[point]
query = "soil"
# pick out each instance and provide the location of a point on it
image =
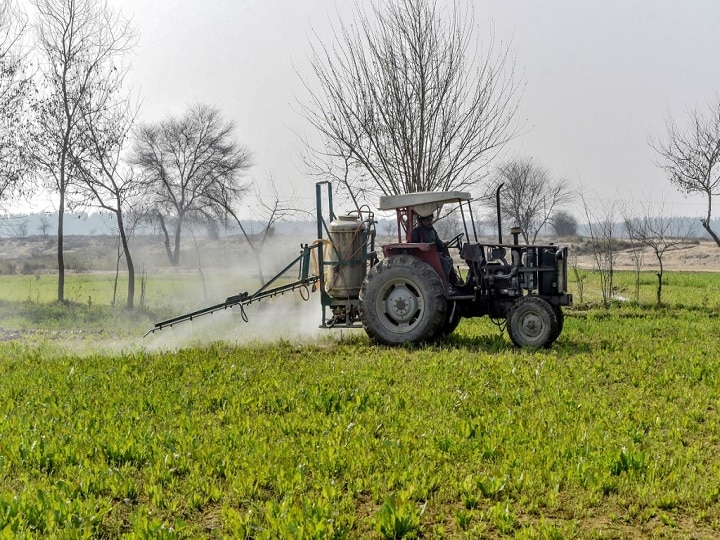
(700, 256)
(87, 254)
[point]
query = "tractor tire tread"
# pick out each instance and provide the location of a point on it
(423, 277)
(542, 311)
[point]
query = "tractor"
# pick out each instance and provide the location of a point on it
(405, 296)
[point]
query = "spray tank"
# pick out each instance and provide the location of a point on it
(346, 254)
(335, 264)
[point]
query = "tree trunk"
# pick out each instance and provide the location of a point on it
(660, 277)
(178, 230)
(167, 240)
(255, 251)
(128, 259)
(60, 237)
(117, 275)
(706, 226)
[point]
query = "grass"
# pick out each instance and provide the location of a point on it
(679, 288)
(162, 291)
(612, 433)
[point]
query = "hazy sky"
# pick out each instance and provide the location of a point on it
(599, 78)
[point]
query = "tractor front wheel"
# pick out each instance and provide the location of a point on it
(532, 322)
(403, 301)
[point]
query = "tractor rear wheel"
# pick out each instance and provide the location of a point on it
(532, 322)
(403, 301)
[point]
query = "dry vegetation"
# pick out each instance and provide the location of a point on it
(699, 256)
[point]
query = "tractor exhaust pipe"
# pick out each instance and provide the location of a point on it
(499, 218)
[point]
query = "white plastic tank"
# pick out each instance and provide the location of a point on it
(345, 257)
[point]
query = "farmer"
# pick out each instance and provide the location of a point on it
(425, 233)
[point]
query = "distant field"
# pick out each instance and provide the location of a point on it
(161, 290)
(190, 289)
(612, 433)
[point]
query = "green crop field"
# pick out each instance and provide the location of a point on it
(614, 432)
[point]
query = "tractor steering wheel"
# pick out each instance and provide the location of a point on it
(455, 242)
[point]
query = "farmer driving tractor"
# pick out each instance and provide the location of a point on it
(424, 232)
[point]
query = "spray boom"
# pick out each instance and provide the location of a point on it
(244, 298)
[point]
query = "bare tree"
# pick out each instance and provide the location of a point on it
(601, 222)
(16, 90)
(405, 97)
(338, 168)
(44, 226)
(691, 157)
(132, 217)
(271, 208)
(638, 259)
(104, 179)
(81, 42)
(660, 233)
(192, 168)
(529, 195)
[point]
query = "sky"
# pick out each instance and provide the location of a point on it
(599, 78)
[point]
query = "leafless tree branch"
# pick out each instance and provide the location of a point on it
(658, 232)
(601, 223)
(407, 100)
(690, 157)
(16, 95)
(529, 195)
(82, 44)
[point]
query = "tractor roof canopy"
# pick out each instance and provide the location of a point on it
(423, 203)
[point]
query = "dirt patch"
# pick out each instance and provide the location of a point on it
(86, 254)
(702, 256)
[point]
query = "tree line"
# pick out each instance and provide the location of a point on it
(403, 99)
(69, 126)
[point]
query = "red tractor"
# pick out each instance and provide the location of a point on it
(406, 296)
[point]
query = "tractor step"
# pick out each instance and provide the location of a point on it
(461, 296)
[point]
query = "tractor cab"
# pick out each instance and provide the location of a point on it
(410, 209)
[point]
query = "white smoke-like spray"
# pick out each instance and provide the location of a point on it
(294, 316)
(287, 317)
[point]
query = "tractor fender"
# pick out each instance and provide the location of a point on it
(424, 251)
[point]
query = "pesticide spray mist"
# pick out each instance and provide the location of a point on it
(283, 318)
(294, 316)
(218, 271)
